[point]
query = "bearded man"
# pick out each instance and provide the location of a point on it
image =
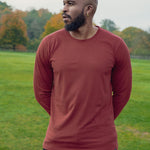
(82, 78)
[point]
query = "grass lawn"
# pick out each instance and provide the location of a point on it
(23, 122)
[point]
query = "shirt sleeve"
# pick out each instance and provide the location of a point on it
(43, 76)
(121, 79)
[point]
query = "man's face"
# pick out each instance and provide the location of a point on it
(73, 14)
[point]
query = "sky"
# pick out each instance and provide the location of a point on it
(124, 13)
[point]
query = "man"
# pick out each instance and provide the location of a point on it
(76, 71)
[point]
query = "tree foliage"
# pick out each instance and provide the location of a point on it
(54, 24)
(35, 21)
(16, 27)
(4, 9)
(137, 40)
(33, 44)
(13, 30)
(108, 25)
(4, 5)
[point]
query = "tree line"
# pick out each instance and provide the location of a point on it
(24, 30)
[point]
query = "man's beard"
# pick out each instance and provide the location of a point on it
(77, 23)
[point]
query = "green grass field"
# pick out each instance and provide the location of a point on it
(23, 122)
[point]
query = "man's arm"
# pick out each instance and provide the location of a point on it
(121, 79)
(43, 76)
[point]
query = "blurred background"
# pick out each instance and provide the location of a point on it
(32, 20)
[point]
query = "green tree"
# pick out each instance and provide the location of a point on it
(13, 30)
(33, 44)
(35, 21)
(137, 40)
(55, 23)
(4, 5)
(108, 25)
(4, 9)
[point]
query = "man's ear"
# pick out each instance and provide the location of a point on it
(89, 9)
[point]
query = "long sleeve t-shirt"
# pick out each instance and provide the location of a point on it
(83, 85)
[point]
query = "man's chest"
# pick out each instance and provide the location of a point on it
(84, 59)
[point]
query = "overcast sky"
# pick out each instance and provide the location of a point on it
(124, 13)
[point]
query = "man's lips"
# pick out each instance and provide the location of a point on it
(66, 16)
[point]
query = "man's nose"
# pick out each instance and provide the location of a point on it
(65, 8)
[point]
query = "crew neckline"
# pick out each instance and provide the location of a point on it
(81, 40)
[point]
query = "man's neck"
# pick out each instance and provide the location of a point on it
(84, 32)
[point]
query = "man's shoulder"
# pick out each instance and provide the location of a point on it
(57, 34)
(110, 36)
(114, 41)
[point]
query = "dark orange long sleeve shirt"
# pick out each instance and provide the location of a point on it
(83, 85)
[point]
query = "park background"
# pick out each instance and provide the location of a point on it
(23, 122)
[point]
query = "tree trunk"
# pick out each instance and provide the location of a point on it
(14, 47)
